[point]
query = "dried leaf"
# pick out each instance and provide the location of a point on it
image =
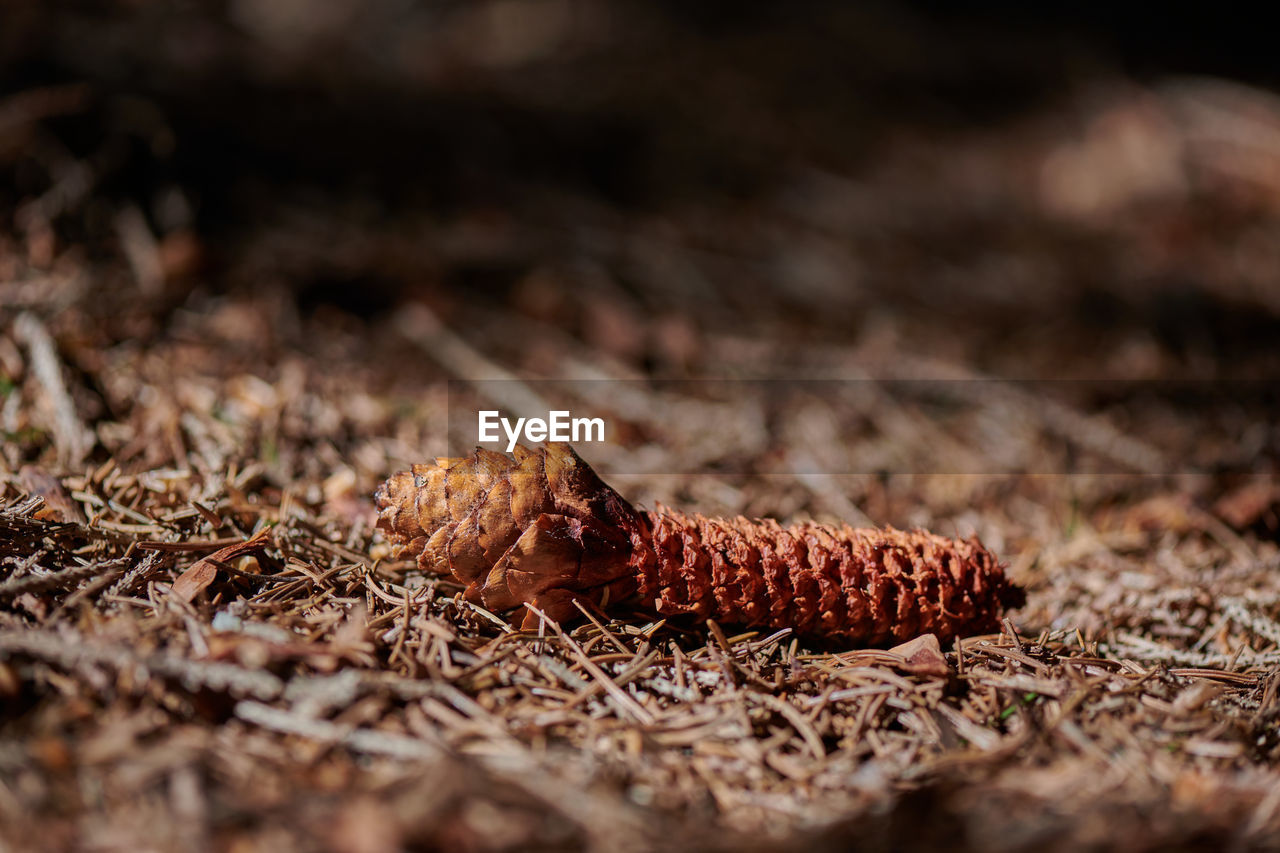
(37, 481)
(1245, 506)
(922, 656)
(203, 572)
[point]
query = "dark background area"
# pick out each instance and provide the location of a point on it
(302, 97)
(532, 121)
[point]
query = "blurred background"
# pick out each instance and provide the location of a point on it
(1032, 192)
(370, 199)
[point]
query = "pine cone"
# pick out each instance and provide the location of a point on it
(543, 529)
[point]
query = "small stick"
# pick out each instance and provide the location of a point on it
(74, 440)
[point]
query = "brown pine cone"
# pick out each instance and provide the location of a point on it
(543, 529)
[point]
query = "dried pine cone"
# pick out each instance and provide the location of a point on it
(543, 529)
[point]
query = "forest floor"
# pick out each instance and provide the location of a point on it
(169, 392)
